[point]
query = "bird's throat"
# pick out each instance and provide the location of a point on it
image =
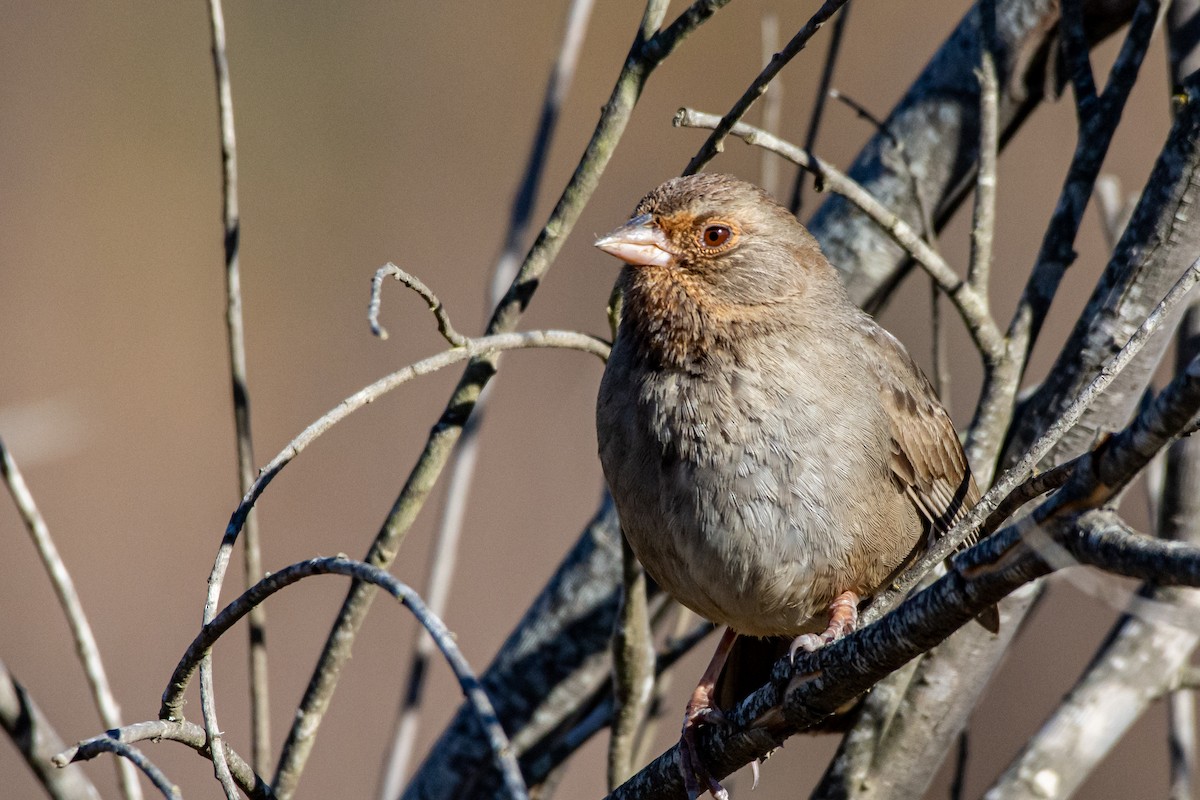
(673, 320)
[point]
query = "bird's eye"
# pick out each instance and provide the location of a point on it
(716, 235)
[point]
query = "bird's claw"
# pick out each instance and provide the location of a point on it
(696, 778)
(843, 619)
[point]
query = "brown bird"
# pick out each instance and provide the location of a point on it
(776, 456)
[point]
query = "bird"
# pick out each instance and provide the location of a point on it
(776, 457)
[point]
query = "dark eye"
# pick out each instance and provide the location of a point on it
(716, 235)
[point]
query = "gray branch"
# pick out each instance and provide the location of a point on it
(940, 115)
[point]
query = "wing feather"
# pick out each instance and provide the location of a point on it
(927, 458)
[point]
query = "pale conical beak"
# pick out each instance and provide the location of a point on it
(639, 242)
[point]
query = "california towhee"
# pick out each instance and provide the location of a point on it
(774, 454)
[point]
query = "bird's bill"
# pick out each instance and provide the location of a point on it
(639, 242)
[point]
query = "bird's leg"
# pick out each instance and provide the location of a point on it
(843, 619)
(700, 709)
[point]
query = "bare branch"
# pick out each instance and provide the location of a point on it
(802, 694)
(1075, 54)
(1183, 42)
(716, 141)
(184, 732)
(980, 577)
(983, 224)
(557, 658)
(86, 648)
(260, 714)
(447, 331)
(1113, 208)
(824, 92)
(157, 777)
(939, 116)
(772, 106)
(1181, 743)
(474, 693)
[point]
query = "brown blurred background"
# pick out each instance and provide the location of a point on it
(371, 132)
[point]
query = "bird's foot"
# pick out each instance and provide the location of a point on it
(696, 779)
(843, 619)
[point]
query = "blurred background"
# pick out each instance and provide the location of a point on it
(370, 132)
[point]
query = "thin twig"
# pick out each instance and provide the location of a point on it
(818, 110)
(649, 48)
(186, 733)
(1033, 488)
(1001, 380)
(602, 703)
(686, 634)
(472, 691)
(104, 744)
(817, 684)
(958, 785)
(216, 737)
(716, 140)
(862, 112)
(64, 589)
(447, 331)
(443, 554)
(938, 355)
(474, 348)
(966, 301)
(260, 710)
(563, 340)
(1183, 45)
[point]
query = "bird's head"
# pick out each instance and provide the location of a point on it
(724, 242)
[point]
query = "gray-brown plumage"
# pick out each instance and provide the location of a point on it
(772, 451)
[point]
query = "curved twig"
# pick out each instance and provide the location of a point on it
(187, 733)
(447, 331)
(104, 744)
(360, 571)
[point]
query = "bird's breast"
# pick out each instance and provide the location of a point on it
(727, 484)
